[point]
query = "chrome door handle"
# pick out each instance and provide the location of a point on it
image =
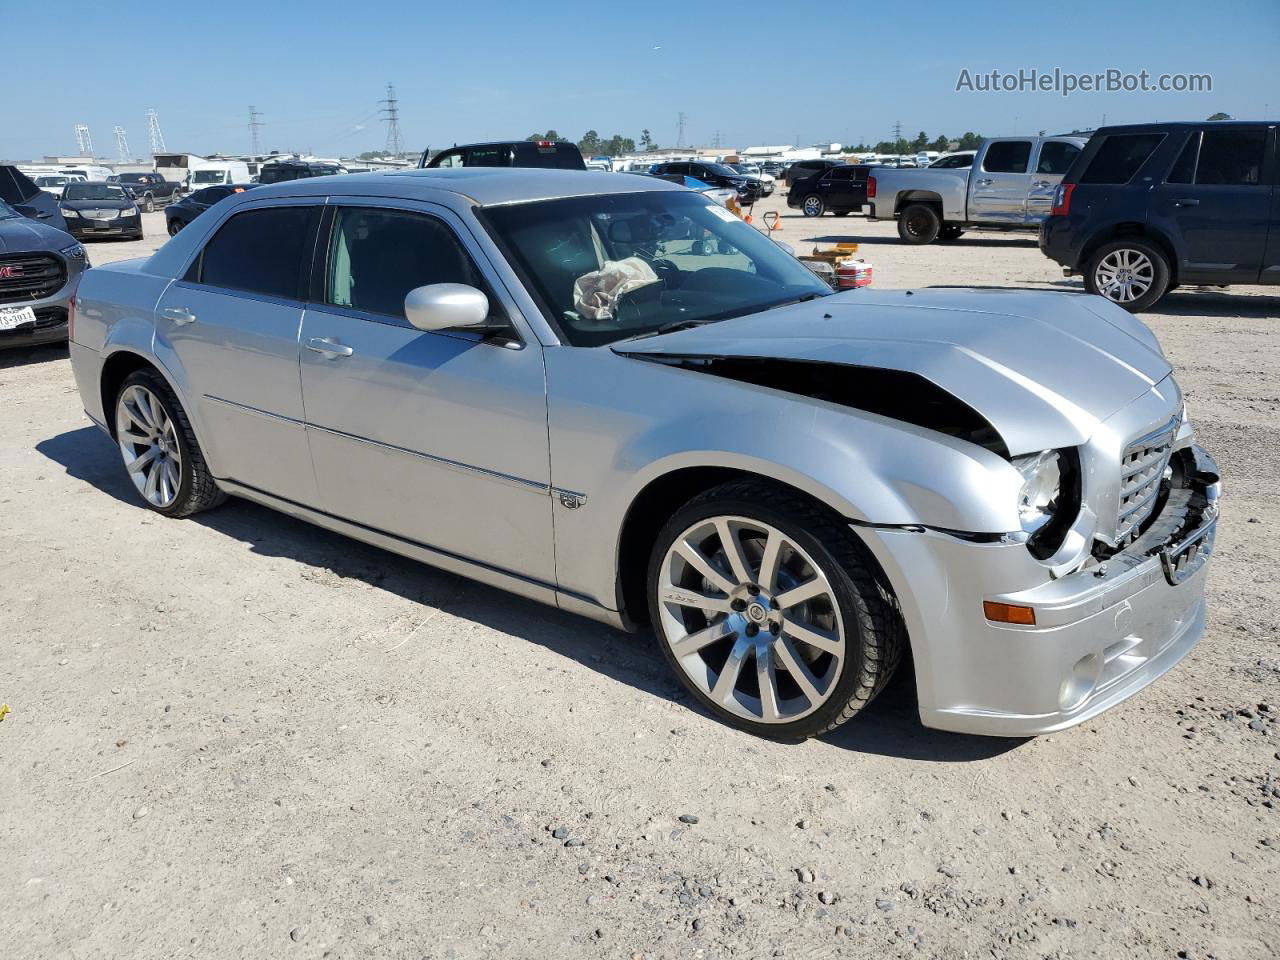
(179, 315)
(983, 182)
(331, 349)
(1186, 202)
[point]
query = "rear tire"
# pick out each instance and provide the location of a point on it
(812, 206)
(1130, 273)
(149, 203)
(821, 658)
(919, 223)
(156, 440)
(174, 226)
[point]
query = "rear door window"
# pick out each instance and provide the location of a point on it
(1120, 157)
(1056, 157)
(1232, 157)
(260, 251)
(1184, 168)
(1007, 156)
(499, 156)
(378, 256)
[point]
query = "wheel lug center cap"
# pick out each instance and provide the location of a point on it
(757, 612)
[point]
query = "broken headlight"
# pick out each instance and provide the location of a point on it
(1041, 485)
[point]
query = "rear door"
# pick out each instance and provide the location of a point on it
(999, 184)
(1052, 160)
(230, 325)
(1216, 203)
(1271, 257)
(439, 438)
(836, 187)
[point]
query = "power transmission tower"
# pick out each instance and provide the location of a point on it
(897, 131)
(83, 139)
(254, 125)
(122, 145)
(392, 115)
(680, 129)
(153, 131)
(716, 140)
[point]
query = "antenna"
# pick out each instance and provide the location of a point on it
(153, 131)
(254, 125)
(392, 116)
(122, 145)
(680, 129)
(84, 140)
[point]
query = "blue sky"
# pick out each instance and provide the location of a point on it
(752, 71)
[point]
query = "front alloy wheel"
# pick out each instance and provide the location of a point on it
(771, 615)
(812, 206)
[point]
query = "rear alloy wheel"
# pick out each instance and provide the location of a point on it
(1129, 273)
(159, 449)
(919, 223)
(767, 609)
(812, 206)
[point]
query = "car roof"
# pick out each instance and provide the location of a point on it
(1183, 125)
(484, 186)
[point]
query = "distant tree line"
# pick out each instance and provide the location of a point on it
(966, 141)
(592, 144)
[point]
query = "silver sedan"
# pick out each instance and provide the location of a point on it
(612, 395)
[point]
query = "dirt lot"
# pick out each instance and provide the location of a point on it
(240, 736)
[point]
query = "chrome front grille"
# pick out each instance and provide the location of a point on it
(1141, 471)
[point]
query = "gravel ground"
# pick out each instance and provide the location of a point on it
(241, 736)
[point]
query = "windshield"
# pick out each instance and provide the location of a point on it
(131, 178)
(94, 191)
(615, 266)
(207, 176)
(51, 181)
(722, 170)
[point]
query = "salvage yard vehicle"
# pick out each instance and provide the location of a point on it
(1150, 206)
(548, 154)
(100, 210)
(39, 268)
(713, 174)
(840, 190)
(803, 169)
(611, 395)
(149, 189)
(54, 184)
(1009, 186)
(191, 206)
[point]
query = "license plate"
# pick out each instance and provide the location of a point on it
(11, 317)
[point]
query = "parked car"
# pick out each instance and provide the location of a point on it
(551, 154)
(803, 169)
(751, 170)
(100, 210)
(1009, 186)
(149, 189)
(525, 377)
(40, 266)
(21, 193)
(721, 195)
(54, 183)
(219, 173)
(1147, 207)
(840, 190)
(713, 174)
(961, 160)
(191, 206)
(280, 171)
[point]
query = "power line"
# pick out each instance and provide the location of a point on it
(392, 115)
(153, 132)
(254, 125)
(122, 145)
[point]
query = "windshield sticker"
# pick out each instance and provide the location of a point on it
(722, 213)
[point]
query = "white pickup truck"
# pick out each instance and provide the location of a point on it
(1010, 186)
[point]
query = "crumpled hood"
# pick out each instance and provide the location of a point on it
(1043, 368)
(22, 235)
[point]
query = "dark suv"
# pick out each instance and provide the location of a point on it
(840, 190)
(714, 175)
(1147, 207)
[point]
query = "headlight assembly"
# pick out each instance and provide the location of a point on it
(73, 252)
(1041, 486)
(68, 214)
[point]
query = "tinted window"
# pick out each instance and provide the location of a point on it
(1007, 156)
(489, 157)
(211, 194)
(1184, 168)
(15, 187)
(378, 256)
(558, 156)
(452, 158)
(1120, 156)
(1056, 157)
(1232, 157)
(840, 173)
(259, 251)
(954, 163)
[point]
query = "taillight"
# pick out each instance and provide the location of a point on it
(1062, 200)
(871, 187)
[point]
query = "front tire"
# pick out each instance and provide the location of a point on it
(159, 448)
(149, 203)
(919, 224)
(771, 612)
(812, 206)
(1130, 273)
(174, 226)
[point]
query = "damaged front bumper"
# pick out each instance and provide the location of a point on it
(1100, 634)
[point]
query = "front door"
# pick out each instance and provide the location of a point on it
(437, 438)
(1216, 201)
(1052, 160)
(998, 186)
(229, 328)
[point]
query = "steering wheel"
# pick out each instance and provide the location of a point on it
(670, 275)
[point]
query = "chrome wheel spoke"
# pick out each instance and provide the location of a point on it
(153, 477)
(769, 561)
(733, 551)
(818, 639)
(694, 642)
(141, 461)
(700, 563)
(729, 673)
(767, 678)
(795, 665)
(816, 587)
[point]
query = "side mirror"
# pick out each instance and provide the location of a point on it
(446, 306)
